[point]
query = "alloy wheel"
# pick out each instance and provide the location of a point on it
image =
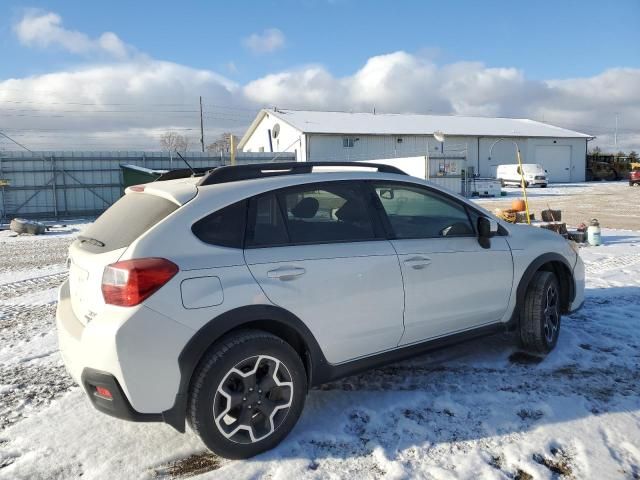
(551, 314)
(253, 399)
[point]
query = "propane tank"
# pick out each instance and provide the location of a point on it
(593, 233)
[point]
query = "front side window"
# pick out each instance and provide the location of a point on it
(416, 212)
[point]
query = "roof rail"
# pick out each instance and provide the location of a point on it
(261, 170)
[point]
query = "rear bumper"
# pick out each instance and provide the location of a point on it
(118, 405)
(131, 351)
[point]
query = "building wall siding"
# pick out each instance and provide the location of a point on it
(372, 147)
(289, 138)
(328, 147)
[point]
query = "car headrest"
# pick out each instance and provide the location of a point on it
(306, 208)
(351, 212)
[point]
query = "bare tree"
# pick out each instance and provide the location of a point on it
(173, 142)
(223, 144)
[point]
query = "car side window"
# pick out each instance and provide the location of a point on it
(331, 212)
(266, 226)
(224, 227)
(416, 212)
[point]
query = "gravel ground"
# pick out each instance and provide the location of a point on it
(614, 204)
(31, 370)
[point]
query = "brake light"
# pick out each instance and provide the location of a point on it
(130, 282)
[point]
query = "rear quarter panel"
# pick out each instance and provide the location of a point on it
(173, 239)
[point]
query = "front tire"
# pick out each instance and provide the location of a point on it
(247, 394)
(540, 322)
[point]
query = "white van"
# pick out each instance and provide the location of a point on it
(534, 174)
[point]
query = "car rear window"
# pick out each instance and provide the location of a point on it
(124, 221)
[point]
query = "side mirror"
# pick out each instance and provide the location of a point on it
(387, 194)
(487, 228)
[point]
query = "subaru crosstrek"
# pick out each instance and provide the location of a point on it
(220, 300)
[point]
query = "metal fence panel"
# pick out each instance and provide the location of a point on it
(74, 184)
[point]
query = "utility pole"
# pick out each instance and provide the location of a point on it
(201, 126)
(615, 135)
(232, 144)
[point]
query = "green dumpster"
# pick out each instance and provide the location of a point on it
(135, 175)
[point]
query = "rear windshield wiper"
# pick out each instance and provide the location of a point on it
(92, 241)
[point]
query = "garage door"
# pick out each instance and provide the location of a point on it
(556, 160)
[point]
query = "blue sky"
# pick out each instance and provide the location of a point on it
(546, 39)
(572, 63)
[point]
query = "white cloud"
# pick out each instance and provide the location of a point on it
(268, 41)
(402, 82)
(130, 99)
(118, 106)
(44, 29)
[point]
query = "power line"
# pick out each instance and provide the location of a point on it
(16, 142)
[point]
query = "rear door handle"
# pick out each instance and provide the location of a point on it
(417, 262)
(286, 273)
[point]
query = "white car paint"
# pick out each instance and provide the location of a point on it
(453, 285)
(351, 295)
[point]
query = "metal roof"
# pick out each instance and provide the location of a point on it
(345, 123)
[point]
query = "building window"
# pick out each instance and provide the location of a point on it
(399, 140)
(347, 142)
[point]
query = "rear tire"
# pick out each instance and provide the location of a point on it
(543, 185)
(540, 322)
(247, 394)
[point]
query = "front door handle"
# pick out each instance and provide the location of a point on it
(286, 273)
(417, 262)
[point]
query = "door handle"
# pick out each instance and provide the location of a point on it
(418, 262)
(286, 273)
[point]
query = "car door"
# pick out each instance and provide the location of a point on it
(318, 251)
(451, 283)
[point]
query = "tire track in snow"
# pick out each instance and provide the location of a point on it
(30, 285)
(27, 388)
(612, 263)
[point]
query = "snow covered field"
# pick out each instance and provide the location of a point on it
(477, 410)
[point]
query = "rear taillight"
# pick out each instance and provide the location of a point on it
(130, 282)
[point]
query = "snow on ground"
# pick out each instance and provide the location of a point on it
(476, 410)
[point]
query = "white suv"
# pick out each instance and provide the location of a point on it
(221, 300)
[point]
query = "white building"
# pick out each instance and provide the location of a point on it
(484, 142)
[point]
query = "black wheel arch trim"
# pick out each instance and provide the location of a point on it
(271, 318)
(566, 282)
